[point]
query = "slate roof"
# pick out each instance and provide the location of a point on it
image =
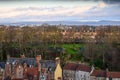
(83, 67)
(2, 65)
(49, 64)
(29, 61)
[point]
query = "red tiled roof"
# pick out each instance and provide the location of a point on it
(113, 74)
(83, 67)
(32, 71)
(99, 73)
(74, 66)
(70, 66)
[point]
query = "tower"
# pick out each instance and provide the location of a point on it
(57, 60)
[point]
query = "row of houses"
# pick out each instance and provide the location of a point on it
(37, 69)
(31, 69)
(75, 71)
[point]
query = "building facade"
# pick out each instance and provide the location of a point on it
(33, 69)
(74, 71)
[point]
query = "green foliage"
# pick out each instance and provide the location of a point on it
(72, 48)
(50, 42)
(98, 63)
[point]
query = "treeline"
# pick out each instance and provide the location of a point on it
(101, 43)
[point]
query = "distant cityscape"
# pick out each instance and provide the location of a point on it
(59, 52)
(38, 23)
(59, 39)
(37, 69)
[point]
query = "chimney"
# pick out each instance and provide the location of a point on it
(38, 58)
(57, 60)
(8, 57)
(22, 55)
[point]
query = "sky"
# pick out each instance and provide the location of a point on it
(59, 10)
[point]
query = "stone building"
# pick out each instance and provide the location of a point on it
(76, 71)
(104, 75)
(98, 75)
(8, 70)
(35, 68)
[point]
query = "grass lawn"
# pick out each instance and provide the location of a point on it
(72, 48)
(69, 48)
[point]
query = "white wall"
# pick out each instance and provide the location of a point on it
(70, 73)
(113, 78)
(82, 75)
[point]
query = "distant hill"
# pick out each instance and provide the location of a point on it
(96, 23)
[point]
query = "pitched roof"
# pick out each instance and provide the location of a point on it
(99, 73)
(83, 67)
(70, 66)
(2, 65)
(75, 66)
(49, 64)
(113, 74)
(29, 61)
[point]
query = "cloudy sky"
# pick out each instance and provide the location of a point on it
(59, 10)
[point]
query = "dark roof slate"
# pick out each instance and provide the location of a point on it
(2, 65)
(49, 64)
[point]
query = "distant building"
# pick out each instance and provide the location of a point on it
(113, 76)
(74, 71)
(104, 75)
(34, 68)
(19, 72)
(1, 73)
(98, 75)
(83, 72)
(8, 70)
(32, 73)
(51, 70)
(69, 71)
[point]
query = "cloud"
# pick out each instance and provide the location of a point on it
(48, 11)
(105, 1)
(101, 10)
(112, 1)
(108, 11)
(43, 11)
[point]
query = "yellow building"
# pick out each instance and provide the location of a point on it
(58, 72)
(51, 70)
